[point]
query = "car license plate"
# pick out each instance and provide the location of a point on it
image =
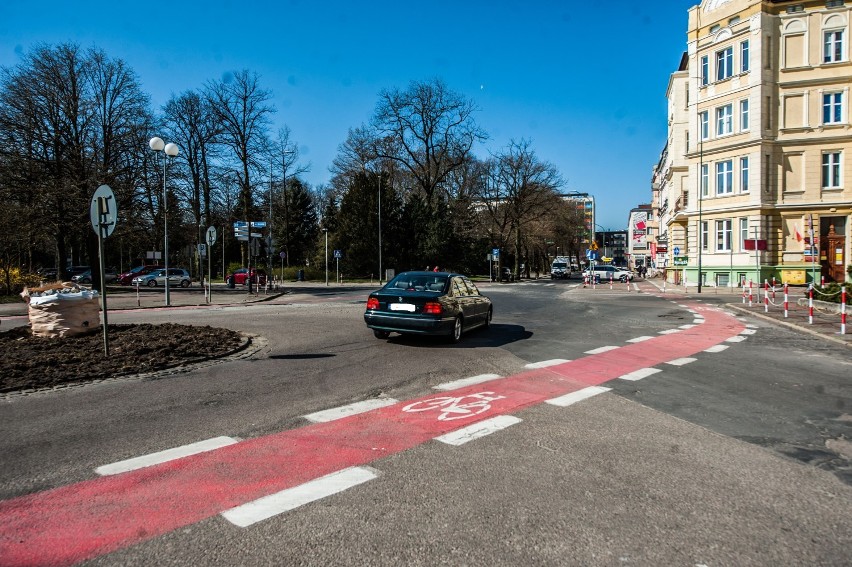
(402, 307)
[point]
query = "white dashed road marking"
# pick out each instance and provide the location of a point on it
(601, 349)
(639, 374)
(546, 363)
(716, 348)
(455, 385)
(681, 361)
(640, 339)
(165, 456)
(477, 430)
(280, 502)
(578, 396)
(351, 409)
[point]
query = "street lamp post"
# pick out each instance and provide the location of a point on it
(380, 228)
(325, 230)
(170, 150)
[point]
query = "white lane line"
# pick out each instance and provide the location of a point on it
(477, 430)
(748, 331)
(685, 327)
(280, 502)
(640, 339)
(698, 320)
(165, 456)
(669, 331)
(601, 349)
(578, 396)
(639, 374)
(681, 361)
(751, 326)
(546, 363)
(456, 384)
(351, 409)
(716, 348)
(737, 339)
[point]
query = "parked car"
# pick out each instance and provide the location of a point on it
(177, 276)
(126, 278)
(506, 275)
(603, 273)
(240, 277)
(86, 277)
(427, 303)
(559, 270)
(47, 274)
(72, 271)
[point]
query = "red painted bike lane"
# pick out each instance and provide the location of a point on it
(66, 525)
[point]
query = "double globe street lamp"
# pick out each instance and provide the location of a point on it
(171, 150)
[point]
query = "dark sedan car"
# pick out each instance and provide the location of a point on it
(427, 303)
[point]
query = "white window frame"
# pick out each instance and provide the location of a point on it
(725, 63)
(705, 180)
(744, 174)
(705, 71)
(724, 177)
(832, 108)
(743, 232)
(831, 169)
(832, 46)
(725, 120)
(744, 62)
(724, 235)
(703, 235)
(744, 117)
(704, 125)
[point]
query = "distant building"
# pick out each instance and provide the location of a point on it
(638, 229)
(585, 203)
(613, 244)
(759, 147)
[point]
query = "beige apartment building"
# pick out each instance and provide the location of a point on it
(759, 147)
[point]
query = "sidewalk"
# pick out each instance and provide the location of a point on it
(826, 323)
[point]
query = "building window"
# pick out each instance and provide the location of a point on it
(832, 108)
(832, 51)
(723, 235)
(831, 170)
(743, 232)
(744, 174)
(744, 115)
(724, 63)
(704, 236)
(705, 180)
(705, 71)
(704, 121)
(744, 56)
(724, 120)
(724, 177)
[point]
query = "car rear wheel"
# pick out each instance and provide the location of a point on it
(381, 334)
(488, 318)
(152, 283)
(456, 333)
(184, 283)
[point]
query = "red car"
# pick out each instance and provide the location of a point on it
(240, 276)
(127, 277)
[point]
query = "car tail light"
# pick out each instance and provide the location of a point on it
(432, 308)
(372, 303)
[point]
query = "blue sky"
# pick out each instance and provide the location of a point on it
(526, 64)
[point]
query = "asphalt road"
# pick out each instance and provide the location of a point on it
(738, 456)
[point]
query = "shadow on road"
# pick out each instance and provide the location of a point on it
(494, 336)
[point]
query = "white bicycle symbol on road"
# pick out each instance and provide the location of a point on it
(459, 407)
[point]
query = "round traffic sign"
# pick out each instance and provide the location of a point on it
(103, 211)
(677, 251)
(211, 236)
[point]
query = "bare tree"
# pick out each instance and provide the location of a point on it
(427, 129)
(243, 111)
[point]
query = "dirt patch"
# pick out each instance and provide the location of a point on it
(30, 362)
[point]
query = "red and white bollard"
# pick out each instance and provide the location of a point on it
(811, 305)
(843, 310)
(610, 281)
(766, 296)
(822, 281)
(773, 289)
(750, 293)
(785, 300)
(744, 292)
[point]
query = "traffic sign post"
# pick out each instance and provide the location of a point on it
(211, 240)
(103, 213)
(337, 256)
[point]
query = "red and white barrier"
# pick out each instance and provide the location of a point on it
(843, 311)
(811, 305)
(750, 293)
(786, 289)
(766, 296)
